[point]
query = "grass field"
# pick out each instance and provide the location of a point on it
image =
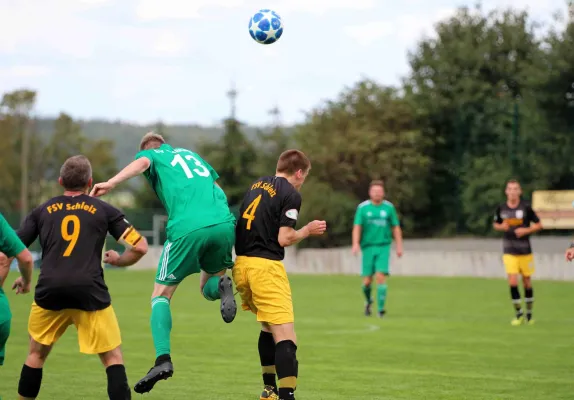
(442, 339)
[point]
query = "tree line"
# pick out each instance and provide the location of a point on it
(489, 97)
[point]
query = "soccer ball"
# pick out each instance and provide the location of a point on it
(266, 27)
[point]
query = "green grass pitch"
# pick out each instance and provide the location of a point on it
(443, 339)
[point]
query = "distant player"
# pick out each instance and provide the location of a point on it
(518, 221)
(269, 214)
(376, 224)
(200, 237)
(11, 246)
(72, 230)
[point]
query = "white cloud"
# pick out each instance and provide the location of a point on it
(366, 34)
(25, 71)
(168, 43)
(149, 10)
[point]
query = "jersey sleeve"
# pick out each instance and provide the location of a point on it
(120, 228)
(290, 209)
(497, 217)
(394, 217)
(531, 214)
(147, 154)
(29, 230)
(358, 217)
(10, 243)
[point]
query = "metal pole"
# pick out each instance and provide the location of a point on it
(24, 158)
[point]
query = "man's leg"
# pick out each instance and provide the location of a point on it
(266, 347)
(161, 324)
(4, 334)
(381, 273)
(118, 387)
(367, 272)
(31, 375)
(45, 328)
(527, 270)
(179, 259)
(215, 257)
(286, 362)
(512, 270)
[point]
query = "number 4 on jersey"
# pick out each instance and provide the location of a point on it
(249, 213)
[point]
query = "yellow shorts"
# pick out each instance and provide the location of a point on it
(98, 331)
(264, 289)
(519, 264)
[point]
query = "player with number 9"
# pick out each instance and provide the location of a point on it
(200, 237)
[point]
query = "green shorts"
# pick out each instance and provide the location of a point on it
(376, 259)
(208, 249)
(5, 317)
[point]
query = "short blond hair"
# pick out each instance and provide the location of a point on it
(151, 137)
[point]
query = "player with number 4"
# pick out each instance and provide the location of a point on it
(200, 237)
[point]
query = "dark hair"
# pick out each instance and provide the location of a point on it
(291, 161)
(508, 182)
(376, 182)
(76, 173)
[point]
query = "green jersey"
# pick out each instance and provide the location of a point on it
(377, 222)
(10, 245)
(185, 184)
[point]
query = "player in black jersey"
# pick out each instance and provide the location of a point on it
(72, 229)
(518, 221)
(268, 216)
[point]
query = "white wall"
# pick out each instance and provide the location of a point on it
(428, 257)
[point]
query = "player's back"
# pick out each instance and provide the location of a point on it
(270, 203)
(72, 232)
(185, 184)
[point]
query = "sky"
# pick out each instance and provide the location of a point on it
(175, 60)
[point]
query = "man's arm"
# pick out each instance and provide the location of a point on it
(535, 224)
(133, 169)
(135, 244)
(357, 231)
(288, 236)
(356, 238)
(12, 246)
(499, 224)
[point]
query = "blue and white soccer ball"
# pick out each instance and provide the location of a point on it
(266, 26)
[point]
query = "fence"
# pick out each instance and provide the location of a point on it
(427, 257)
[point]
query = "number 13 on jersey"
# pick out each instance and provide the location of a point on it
(249, 213)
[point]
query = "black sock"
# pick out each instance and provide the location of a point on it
(287, 368)
(266, 347)
(529, 300)
(516, 301)
(118, 388)
(30, 382)
(161, 359)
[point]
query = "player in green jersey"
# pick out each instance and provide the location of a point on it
(376, 224)
(11, 246)
(200, 237)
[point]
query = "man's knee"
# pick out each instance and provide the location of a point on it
(160, 290)
(527, 281)
(381, 278)
(112, 357)
(283, 332)
(367, 280)
(37, 354)
(513, 279)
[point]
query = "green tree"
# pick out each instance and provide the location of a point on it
(474, 89)
(367, 133)
(234, 158)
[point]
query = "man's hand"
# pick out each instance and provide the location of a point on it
(100, 189)
(111, 257)
(520, 232)
(399, 249)
(316, 228)
(21, 286)
(356, 249)
(570, 254)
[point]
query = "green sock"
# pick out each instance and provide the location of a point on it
(160, 325)
(211, 288)
(367, 292)
(381, 296)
